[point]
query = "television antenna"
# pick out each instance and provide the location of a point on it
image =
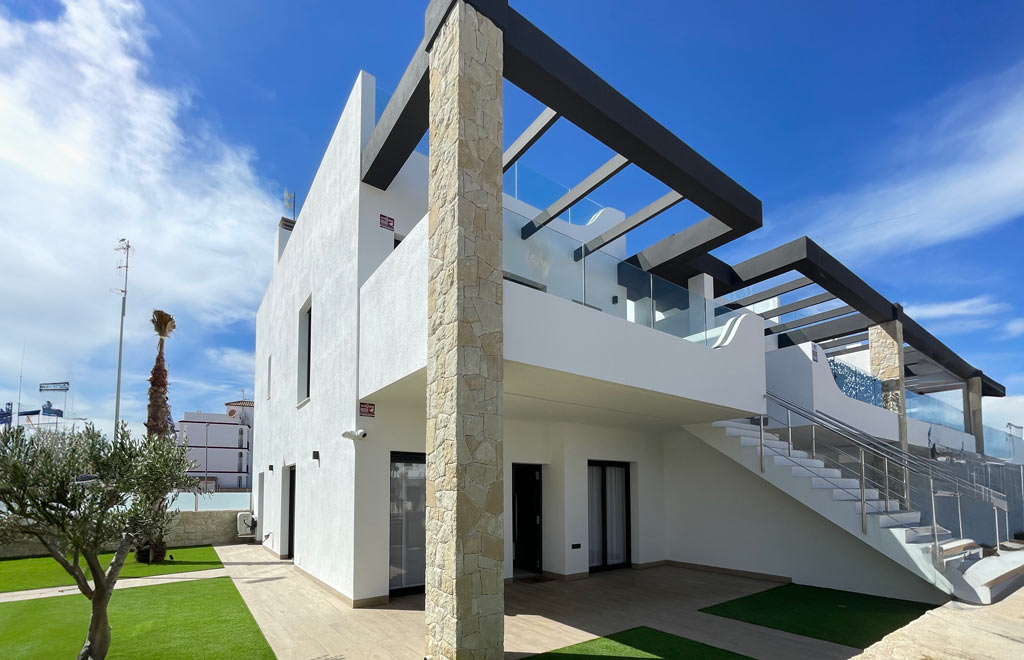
(125, 246)
(289, 202)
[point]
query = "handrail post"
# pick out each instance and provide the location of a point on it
(959, 515)
(995, 513)
(935, 518)
(1022, 492)
(906, 486)
(863, 497)
(761, 441)
(885, 467)
(789, 427)
(814, 448)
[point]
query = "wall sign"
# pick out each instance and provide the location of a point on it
(367, 409)
(386, 222)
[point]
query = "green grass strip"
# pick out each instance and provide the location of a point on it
(182, 620)
(42, 572)
(642, 642)
(843, 617)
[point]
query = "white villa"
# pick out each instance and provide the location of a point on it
(220, 444)
(462, 381)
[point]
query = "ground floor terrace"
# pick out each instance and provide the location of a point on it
(302, 620)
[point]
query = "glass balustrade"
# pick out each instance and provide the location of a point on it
(856, 383)
(929, 409)
(532, 187)
(606, 283)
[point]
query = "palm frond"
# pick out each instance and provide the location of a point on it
(163, 323)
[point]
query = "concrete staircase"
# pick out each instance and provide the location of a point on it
(901, 535)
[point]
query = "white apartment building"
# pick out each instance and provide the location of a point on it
(221, 446)
(460, 382)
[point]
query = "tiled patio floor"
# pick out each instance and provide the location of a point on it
(302, 620)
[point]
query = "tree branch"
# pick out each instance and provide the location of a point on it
(114, 571)
(74, 570)
(99, 577)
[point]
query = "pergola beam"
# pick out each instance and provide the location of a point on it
(761, 296)
(545, 120)
(660, 205)
(809, 320)
(614, 165)
(798, 305)
(847, 325)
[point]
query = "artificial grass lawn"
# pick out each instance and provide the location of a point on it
(183, 620)
(843, 617)
(40, 572)
(642, 642)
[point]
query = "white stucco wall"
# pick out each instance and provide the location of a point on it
(719, 514)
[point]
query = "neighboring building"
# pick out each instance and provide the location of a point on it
(457, 386)
(221, 446)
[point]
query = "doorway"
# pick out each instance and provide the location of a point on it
(608, 514)
(526, 519)
(408, 523)
(291, 512)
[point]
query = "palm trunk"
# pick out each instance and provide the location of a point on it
(97, 644)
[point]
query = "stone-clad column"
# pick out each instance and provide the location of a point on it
(885, 344)
(465, 601)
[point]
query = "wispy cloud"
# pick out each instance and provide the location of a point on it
(233, 360)
(91, 151)
(983, 305)
(1014, 329)
(958, 170)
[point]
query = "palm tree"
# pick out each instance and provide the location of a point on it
(158, 412)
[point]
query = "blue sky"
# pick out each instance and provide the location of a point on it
(888, 132)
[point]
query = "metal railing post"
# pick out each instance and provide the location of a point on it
(761, 441)
(959, 515)
(863, 497)
(935, 524)
(885, 467)
(995, 514)
(814, 447)
(789, 427)
(906, 486)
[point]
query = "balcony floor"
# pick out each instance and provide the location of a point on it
(302, 620)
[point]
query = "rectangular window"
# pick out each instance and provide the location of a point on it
(305, 351)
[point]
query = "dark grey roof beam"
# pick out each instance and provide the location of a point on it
(761, 296)
(798, 305)
(660, 205)
(845, 341)
(808, 320)
(545, 120)
(846, 351)
(402, 125)
(614, 165)
(542, 68)
(847, 325)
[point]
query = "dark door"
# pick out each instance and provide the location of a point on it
(291, 511)
(608, 512)
(526, 517)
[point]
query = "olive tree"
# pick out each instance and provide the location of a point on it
(80, 494)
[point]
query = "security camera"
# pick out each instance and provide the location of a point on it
(358, 434)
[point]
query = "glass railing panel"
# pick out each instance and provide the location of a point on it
(855, 383)
(617, 288)
(678, 311)
(931, 410)
(537, 190)
(544, 261)
(998, 443)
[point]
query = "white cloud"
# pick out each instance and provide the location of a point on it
(958, 171)
(983, 305)
(1014, 328)
(232, 360)
(92, 151)
(997, 411)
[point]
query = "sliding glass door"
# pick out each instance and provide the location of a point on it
(408, 522)
(608, 514)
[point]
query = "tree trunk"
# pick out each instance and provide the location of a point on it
(98, 643)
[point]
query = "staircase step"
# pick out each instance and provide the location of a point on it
(923, 534)
(749, 433)
(818, 482)
(852, 494)
(897, 518)
(755, 442)
(956, 546)
(734, 424)
(779, 451)
(877, 506)
(798, 460)
(832, 473)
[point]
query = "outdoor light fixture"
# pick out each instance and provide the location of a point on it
(316, 455)
(270, 467)
(358, 434)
